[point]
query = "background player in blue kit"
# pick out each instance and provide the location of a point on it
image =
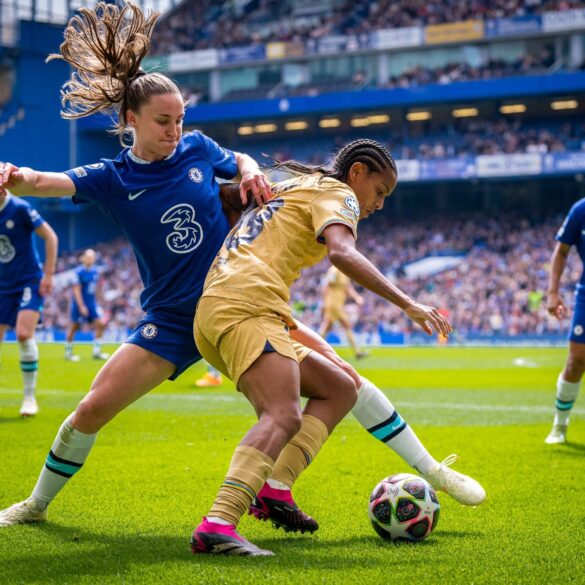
(24, 283)
(84, 306)
(571, 233)
(163, 194)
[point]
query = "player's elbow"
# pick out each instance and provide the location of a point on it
(339, 255)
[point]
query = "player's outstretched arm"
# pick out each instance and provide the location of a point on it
(26, 181)
(554, 302)
(343, 254)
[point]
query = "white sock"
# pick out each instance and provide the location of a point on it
(97, 346)
(68, 348)
(567, 393)
(277, 485)
(218, 520)
(67, 455)
(376, 414)
(29, 364)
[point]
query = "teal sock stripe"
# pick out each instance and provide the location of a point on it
(29, 366)
(564, 404)
(62, 466)
(241, 487)
(389, 428)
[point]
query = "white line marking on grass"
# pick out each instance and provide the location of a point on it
(188, 397)
(236, 398)
(524, 363)
(480, 407)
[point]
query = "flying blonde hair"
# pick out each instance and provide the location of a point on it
(105, 46)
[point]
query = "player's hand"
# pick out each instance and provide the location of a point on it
(11, 178)
(258, 185)
(46, 285)
(429, 319)
(84, 310)
(555, 306)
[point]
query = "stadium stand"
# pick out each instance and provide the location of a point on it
(206, 24)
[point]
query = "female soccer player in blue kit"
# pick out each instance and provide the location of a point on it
(24, 284)
(85, 308)
(571, 233)
(163, 194)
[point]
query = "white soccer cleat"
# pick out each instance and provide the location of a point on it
(101, 356)
(25, 512)
(461, 488)
(29, 406)
(557, 435)
(72, 358)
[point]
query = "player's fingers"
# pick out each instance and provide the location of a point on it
(267, 189)
(243, 195)
(426, 327)
(256, 191)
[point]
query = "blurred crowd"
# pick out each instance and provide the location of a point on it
(497, 289)
(491, 69)
(204, 24)
(118, 291)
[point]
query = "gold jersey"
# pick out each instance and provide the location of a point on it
(265, 252)
(336, 284)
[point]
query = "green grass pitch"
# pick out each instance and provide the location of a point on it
(127, 516)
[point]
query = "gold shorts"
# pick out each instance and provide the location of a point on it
(334, 313)
(231, 335)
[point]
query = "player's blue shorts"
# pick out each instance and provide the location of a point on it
(170, 336)
(77, 317)
(28, 299)
(577, 333)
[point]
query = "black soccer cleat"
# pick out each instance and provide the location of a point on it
(281, 511)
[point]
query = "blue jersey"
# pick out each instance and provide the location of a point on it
(169, 211)
(19, 261)
(572, 233)
(87, 279)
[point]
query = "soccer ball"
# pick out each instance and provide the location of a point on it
(404, 507)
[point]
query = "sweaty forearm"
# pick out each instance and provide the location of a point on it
(355, 265)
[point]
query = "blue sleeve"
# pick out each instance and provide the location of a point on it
(92, 182)
(32, 218)
(570, 231)
(222, 159)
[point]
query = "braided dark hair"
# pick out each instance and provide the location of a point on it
(370, 152)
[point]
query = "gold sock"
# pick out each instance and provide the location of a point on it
(248, 470)
(300, 451)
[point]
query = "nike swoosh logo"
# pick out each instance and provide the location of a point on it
(132, 196)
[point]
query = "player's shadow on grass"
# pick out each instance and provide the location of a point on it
(11, 419)
(77, 552)
(570, 448)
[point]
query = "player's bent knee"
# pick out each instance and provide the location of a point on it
(91, 415)
(22, 335)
